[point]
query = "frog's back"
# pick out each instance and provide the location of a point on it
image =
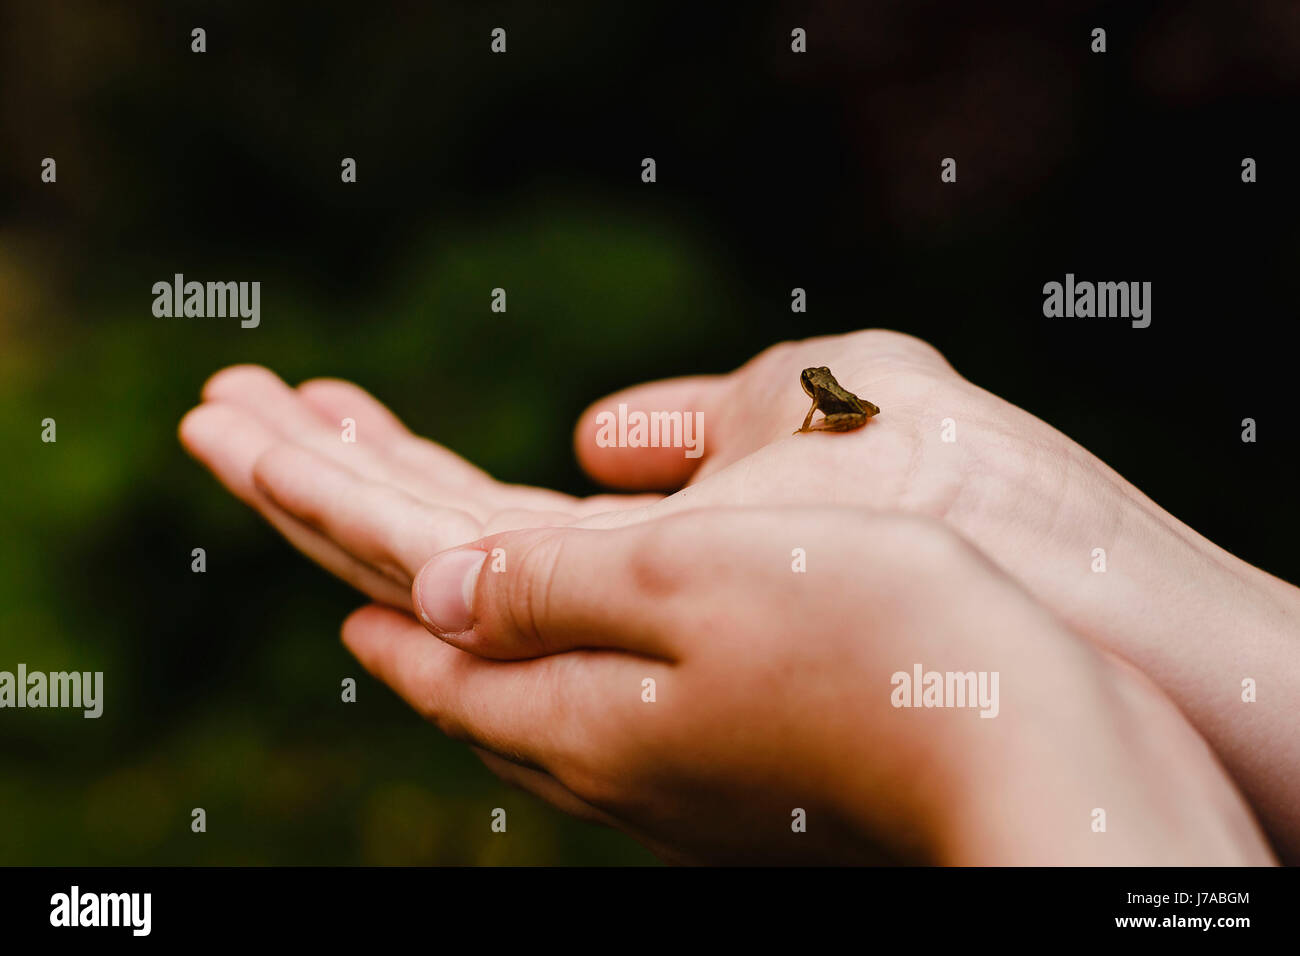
(832, 404)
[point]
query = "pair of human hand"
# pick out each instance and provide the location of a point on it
(772, 687)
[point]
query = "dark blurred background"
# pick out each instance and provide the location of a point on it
(476, 170)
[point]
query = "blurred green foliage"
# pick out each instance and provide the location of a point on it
(223, 688)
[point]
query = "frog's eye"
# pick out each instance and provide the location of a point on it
(824, 368)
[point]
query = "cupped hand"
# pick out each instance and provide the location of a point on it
(1036, 503)
(1116, 567)
(721, 685)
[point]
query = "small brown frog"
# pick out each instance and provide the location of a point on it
(843, 410)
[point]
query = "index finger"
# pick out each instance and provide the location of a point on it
(558, 714)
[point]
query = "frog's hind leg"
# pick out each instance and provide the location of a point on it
(840, 422)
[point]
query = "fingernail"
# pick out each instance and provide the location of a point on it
(444, 592)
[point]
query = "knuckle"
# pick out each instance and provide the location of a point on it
(596, 759)
(273, 474)
(436, 701)
(265, 466)
(528, 590)
(326, 386)
(648, 573)
(605, 778)
(778, 354)
(233, 379)
(900, 345)
(600, 786)
(619, 769)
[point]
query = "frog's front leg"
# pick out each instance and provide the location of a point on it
(806, 419)
(839, 422)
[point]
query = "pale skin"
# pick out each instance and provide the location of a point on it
(1031, 500)
(773, 692)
